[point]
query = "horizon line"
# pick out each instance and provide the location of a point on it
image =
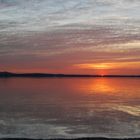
(12, 74)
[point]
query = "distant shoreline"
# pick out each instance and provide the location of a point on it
(96, 138)
(41, 75)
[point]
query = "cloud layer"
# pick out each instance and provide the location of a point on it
(54, 35)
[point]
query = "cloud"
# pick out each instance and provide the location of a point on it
(35, 15)
(69, 31)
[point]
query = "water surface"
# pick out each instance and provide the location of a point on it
(69, 107)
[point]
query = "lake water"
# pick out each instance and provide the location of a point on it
(69, 107)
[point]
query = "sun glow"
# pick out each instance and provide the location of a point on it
(96, 66)
(101, 66)
(107, 66)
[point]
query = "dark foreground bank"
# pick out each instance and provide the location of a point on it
(74, 139)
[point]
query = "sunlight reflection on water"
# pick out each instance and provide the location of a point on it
(69, 107)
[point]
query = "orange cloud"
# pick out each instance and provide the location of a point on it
(105, 66)
(95, 66)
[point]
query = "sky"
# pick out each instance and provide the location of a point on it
(70, 36)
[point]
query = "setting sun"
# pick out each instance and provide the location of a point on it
(109, 67)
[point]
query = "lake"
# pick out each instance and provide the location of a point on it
(69, 107)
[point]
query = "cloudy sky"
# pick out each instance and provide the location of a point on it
(70, 36)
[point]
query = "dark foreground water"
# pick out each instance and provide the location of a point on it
(69, 107)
